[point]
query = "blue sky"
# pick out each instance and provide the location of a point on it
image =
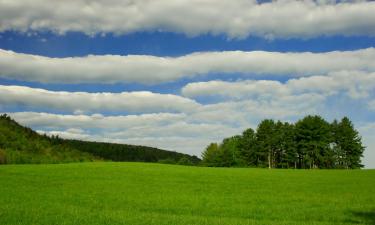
(156, 78)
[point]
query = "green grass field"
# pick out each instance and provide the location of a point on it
(140, 193)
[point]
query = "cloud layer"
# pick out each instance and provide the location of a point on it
(151, 69)
(235, 18)
(84, 102)
(355, 84)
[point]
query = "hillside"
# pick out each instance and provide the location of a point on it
(131, 153)
(20, 144)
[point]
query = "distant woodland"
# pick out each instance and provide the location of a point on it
(310, 143)
(20, 145)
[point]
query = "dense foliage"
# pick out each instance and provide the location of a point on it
(310, 143)
(19, 144)
(131, 153)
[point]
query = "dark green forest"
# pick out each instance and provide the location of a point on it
(310, 143)
(130, 153)
(20, 145)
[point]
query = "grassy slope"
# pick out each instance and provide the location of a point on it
(19, 144)
(140, 193)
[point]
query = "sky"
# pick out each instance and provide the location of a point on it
(181, 74)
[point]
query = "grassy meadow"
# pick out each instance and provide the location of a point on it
(145, 193)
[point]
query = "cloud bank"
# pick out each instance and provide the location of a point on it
(84, 102)
(151, 69)
(235, 18)
(354, 84)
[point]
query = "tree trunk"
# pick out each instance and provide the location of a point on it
(269, 160)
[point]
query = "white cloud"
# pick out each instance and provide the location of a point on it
(189, 132)
(143, 101)
(371, 105)
(152, 69)
(95, 121)
(355, 84)
(237, 90)
(69, 134)
(235, 18)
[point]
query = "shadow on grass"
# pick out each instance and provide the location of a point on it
(360, 217)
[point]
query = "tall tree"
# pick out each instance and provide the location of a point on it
(348, 144)
(313, 138)
(339, 154)
(211, 154)
(266, 142)
(310, 143)
(248, 148)
(230, 152)
(288, 153)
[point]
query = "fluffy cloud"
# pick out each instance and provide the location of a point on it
(96, 121)
(371, 105)
(152, 69)
(355, 84)
(189, 132)
(135, 102)
(235, 18)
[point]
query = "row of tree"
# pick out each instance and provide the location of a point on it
(129, 153)
(310, 143)
(19, 145)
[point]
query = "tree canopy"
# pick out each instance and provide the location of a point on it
(310, 143)
(20, 144)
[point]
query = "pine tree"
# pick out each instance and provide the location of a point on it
(266, 142)
(289, 153)
(349, 144)
(248, 149)
(230, 152)
(313, 138)
(210, 156)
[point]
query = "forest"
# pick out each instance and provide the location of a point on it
(309, 143)
(20, 145)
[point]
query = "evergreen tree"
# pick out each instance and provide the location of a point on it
(211, 155)
(348, 144)
(339, 154)
(248, 148)
(266, 142)
(230, 152)
(310, 143)
(313, 138)
(288, 153)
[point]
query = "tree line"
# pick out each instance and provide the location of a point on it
(20, 145)
(130, 153)
(309, 143)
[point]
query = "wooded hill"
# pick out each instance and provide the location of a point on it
(310, 143)
(19, 144)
